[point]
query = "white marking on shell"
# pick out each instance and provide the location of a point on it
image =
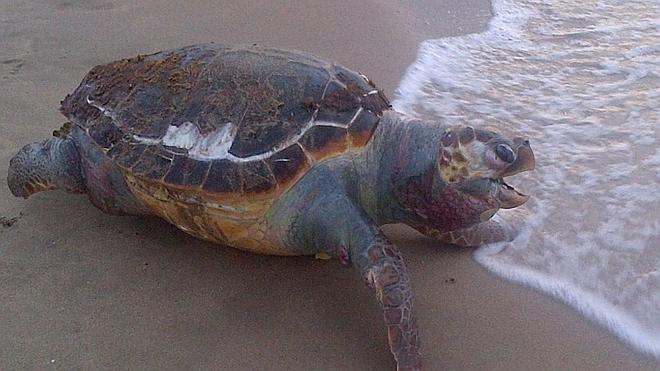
(357, 113)
(214, 145)
(183, 228)
(328, 123)
(106, 111)
(165, 158)
(214, 205)
(339, 125)
(182, 136)
(372, 92)
(341, 84)
(146, 140)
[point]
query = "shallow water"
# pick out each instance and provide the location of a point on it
(582, 81)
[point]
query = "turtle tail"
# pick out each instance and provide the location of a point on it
(51, 164)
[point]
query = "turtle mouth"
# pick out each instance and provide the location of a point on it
(507, 196)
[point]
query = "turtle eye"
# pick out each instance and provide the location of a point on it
(448, 139)
(505, 153)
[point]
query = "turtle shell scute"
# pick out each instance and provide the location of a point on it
(286, 109)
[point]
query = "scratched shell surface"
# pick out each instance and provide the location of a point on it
(225, 119)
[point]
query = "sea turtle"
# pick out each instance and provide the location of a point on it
(277, 152)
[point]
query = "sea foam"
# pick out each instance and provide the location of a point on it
(582, 81)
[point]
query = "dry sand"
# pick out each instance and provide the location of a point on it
(83, 290)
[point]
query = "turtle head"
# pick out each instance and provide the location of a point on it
(476, 161)
(465, 185)
(51, 164)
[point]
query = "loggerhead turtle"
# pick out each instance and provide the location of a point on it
(277, 152)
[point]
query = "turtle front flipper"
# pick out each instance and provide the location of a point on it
(490, 231)
(383, 269)
(333, 225)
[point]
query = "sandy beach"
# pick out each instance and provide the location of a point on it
(84, 290)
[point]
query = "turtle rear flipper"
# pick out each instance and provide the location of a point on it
(63, 131)
(51, 164)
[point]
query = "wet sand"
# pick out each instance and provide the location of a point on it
(84, 290)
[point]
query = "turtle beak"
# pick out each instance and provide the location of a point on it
(508, 197)
(524, 158)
